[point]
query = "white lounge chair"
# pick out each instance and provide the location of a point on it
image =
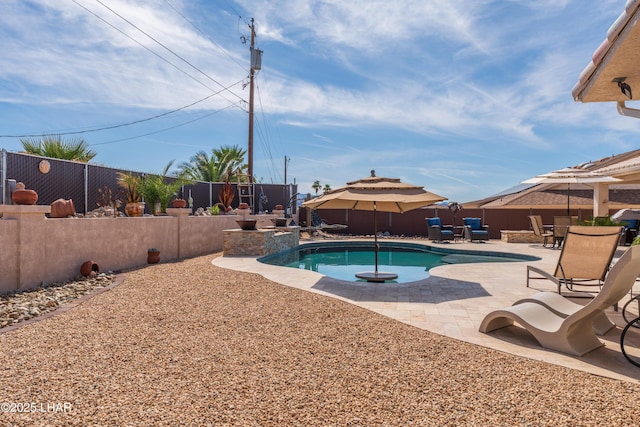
(573, 334)
(563, 308)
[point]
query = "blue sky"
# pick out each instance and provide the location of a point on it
(466, 98)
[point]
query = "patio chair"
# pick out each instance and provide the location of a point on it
(474, 230)
(538, 229)
(573, 334)
(560, 224)
(585, 258)
(317, 223)
(630, 230)
(437, 231)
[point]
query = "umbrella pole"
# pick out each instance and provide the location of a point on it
(568, 199)
(375, 236)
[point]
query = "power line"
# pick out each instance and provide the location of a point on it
(235, 11)
(143, 46)
(125, 124)
(167, 48)
(266, 138)
(165, 129)
(205, 35)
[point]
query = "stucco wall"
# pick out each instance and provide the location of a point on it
(35, 248)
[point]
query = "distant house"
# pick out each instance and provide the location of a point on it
(625, 194)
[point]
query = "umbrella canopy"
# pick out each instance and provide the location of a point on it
(626, 214)
(571, 176)
(375, 194)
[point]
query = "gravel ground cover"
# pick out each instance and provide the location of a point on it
(190, 344)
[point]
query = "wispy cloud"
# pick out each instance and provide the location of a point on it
(428, 88)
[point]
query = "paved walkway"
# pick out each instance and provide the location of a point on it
(454, 300)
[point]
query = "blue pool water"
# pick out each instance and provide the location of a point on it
(409, 261)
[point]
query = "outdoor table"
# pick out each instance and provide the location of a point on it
(458, 232)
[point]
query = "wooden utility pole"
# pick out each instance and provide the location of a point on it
(256, 64)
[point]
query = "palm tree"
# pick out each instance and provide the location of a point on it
(316, 186)
(200, 167)
(54, 146)
(224, 163)
(326, 188)
(230, 161)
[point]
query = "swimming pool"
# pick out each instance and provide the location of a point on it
(410, 261)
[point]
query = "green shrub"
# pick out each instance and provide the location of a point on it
(600, 221)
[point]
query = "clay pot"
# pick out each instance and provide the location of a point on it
(62, 208)
(89, 268)
(279, 207)
(243, 206)
(153, 257)
(279, 222)
(179, 203)
(247, 224)
(24, 197)
(134, 209)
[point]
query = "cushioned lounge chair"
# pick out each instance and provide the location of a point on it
(630, 230)
(437, 231)
(573, 334)
(317, 223)
(538, 229)
(585, 258)
(474, 230)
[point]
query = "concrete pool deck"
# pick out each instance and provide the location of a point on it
(454, 300)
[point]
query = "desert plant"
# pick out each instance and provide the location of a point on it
(226, 195)
(106, 198)
(131, 184)
(162, 188)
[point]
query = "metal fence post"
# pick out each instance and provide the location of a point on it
(3, 168)
(86, 188)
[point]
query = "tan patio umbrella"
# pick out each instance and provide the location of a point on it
(570, 176)
(375, 194)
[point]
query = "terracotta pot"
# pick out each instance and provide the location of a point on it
(247, 224)
(153, 257)
(89, 268)
(134, 209)
(243, 206)
(179, 203)
(279, 222)
(62, 208)
(279, 207)
(24, 197)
